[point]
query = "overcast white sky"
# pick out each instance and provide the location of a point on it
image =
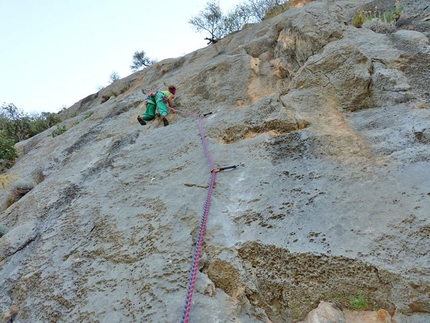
(55, 52)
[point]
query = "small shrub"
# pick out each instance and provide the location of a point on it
(18, 192)
(357, 303)
(88, 115)
(398, 11)
(59, 131)
(380, 22)
(359, 19)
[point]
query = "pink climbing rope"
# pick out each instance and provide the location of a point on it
(199, 242)
(200, 236)
(197, 250)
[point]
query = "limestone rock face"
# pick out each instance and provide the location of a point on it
(329, 313)
(325, 217)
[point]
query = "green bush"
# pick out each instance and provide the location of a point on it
(8, 152)
(359, 19)
(88, 115)
(59, 131)
(357, 303)
(39, 123)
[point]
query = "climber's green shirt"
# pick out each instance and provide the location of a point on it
(166, 93)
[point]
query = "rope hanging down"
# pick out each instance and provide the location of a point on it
(199, 242)
(196, 256)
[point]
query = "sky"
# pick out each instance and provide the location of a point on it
(54, 53)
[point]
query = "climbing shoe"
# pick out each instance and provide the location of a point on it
(141, 121)
(166, 123)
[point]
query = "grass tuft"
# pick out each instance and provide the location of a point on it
(357, 303)
(18, 192)
(378, 21)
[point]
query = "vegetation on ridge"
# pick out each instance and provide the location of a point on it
(213, 21)
(381, 21)
(16, 126)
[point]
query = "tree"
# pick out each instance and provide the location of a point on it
(259, 8)
(114, 77)
(213, 21)
(236, 19)
(209, 20)
(140, 60)
(14, 122)
(255, 10)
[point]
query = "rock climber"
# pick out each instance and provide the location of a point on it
(163, 100)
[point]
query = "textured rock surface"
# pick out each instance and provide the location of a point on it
(330, 127)
(329, 312)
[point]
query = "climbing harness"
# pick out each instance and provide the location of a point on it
(199, 241)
